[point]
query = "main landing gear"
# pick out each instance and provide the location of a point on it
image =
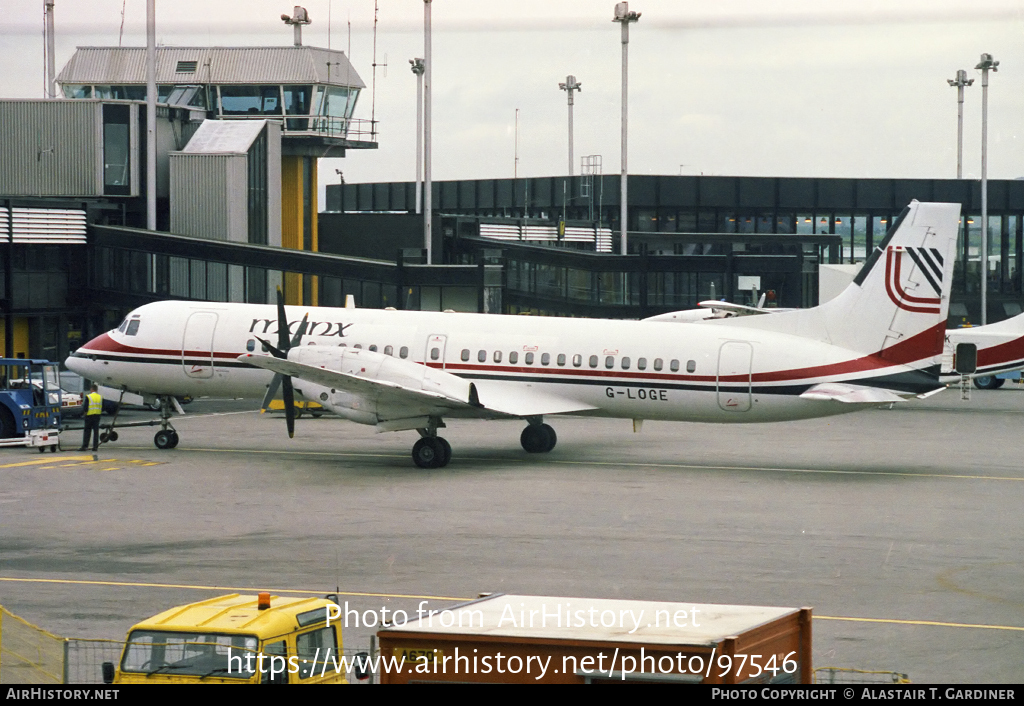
(167, 437)
(431, 451)
(538, 438)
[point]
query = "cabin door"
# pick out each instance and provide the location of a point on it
(734, 364)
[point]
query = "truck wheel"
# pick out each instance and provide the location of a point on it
(986, 382)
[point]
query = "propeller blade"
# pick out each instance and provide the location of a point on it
(289, 404)
(303, 325)
(271, 390)
(274, 351)
(282, 324)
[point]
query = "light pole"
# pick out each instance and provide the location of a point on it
(427, 188)
(417, 68)
(570, 85)
(960, 82)
(151, 114)
(986, 64)
(624, 17)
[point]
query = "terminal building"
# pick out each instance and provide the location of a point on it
(239, 133)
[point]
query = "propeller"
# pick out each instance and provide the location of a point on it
(281, 351)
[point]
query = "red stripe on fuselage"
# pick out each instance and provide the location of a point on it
(105, 344)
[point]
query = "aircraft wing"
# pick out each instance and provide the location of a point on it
(858, 394)
(416, 389)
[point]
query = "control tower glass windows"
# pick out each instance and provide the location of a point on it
(250, 100)
(335, 106)
(297, 100)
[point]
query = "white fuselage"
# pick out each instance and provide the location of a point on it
(627, 369)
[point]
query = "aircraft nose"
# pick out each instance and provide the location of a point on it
(83, 360)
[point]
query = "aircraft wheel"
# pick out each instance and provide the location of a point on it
(986, 382)
(174, 440)
(429, 452)
(113, 436)
(538, 438)
(447, 448)
(164, 439)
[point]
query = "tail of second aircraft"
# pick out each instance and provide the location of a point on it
(897, 305)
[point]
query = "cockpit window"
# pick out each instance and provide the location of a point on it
(133, 327)
(123, 326)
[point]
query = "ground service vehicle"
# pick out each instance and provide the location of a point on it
(30, 403)
(235, 639)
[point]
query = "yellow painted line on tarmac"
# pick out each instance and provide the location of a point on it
(973, 626)
(83, 462)
(43, 460)
(234, 589)
(247, 589)
(627, 464)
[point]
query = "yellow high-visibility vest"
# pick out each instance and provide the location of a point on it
(95, 403)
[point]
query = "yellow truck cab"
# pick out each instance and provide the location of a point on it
(235, 639)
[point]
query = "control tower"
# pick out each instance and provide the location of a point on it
(311, 92)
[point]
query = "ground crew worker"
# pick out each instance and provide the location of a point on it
(93, 409)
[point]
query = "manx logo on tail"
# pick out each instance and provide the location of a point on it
(929, 265)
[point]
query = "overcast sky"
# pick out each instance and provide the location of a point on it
(744, 87)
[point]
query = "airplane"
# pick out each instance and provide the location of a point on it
(999, 348)
(878, 342)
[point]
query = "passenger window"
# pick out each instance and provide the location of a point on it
(625, 363)
(133, 327)
(497, 356)
(691, 366)
(404, 352)
(609, 362)
(561, 358)
(674, 365)
(641, 364)
(593, 361)
(513, 357)
(389, 350)
(545, 359)
(529, 358)
(250, 345)
(657, 364)
(435, 353)
(374, 348)
(577, 360)
(357, 345)
(481, 356)
(465, 354)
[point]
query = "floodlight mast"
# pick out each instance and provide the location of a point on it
(570, 85)
(961, 81)
(151, 114)
(986, 64)
(417, 68)
(427, 186)
(624, 17)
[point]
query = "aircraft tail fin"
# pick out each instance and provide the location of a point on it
(897, 305)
